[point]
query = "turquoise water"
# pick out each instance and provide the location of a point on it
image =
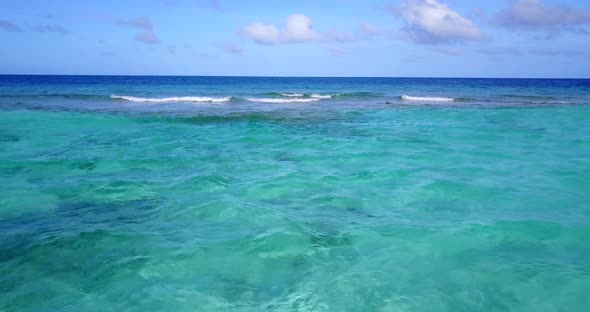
(477, 203)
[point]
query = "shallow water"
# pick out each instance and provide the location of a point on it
(341, 204)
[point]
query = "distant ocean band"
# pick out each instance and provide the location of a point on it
(180, 93)
(278, 98)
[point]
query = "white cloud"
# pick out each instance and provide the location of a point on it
(298, 28)
(433, 22)
(262, 33)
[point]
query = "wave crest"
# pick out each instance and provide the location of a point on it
(292, 94)
(426, 98)
(275, 100)
(173, 99)
(319, 96)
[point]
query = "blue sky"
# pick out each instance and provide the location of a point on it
(409, 38)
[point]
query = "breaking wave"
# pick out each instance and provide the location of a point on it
(292, 94)
(326, 96)
(319, 96)
(426, 98)
(173, 99)
(275, 100)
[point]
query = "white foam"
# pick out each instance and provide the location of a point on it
(173, 99)
(426, 98)
(319, 96)
(273, 100)
(292, 94)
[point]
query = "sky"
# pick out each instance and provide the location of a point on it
(374, 38)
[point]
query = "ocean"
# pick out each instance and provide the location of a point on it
(124, 193)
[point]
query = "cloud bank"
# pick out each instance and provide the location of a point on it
(433, 22)
(536, 15)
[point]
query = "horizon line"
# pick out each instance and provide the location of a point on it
(262, 76)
